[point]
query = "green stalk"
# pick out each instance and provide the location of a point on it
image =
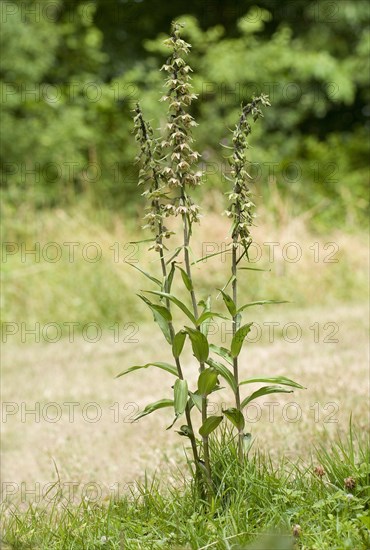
(159, 240)
(180, 373)
(242, 218)
(235, 328)
(205, 439)
(183, 157)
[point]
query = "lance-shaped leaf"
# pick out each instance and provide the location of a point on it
(176, 301)
(266, 390)
(274, 380)
(199, 344)
(235, 417)
(162, 310)
(195, 399)
(161, 316)
(209, 425)
(229, 302)
(238, 339)
(261, 303)
(153, 279)
(142, 241)
(169, 279)
(209, 315)
(178, 343)
(222, 352)
(207, 381)
(162, 403)
(204, 320)
(174, 255)
(186, 279)
(224, 372)
(180, 390)
(254, 269)
(164, 366)
(210, 256)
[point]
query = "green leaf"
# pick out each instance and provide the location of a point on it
(162, 403)
(209, 425)
(154, 279)
(186, 279)
(235, 417)
(169, 278)
(224, 372)
(185, 431)
(173, 422)
(229, 302)
(274, 380)
(238, 339)
(266, 390)
(207, 381)
(178, 343)
(164, 366)
(196, 399)
(222, 352)
(199, 344)
(177, 302)
(209, 256)
(209, 315)
(160, 314)
(365, 520)
(180, 396)
(262, 303)
(142, 241)
(204, 320)
(163, 325)
(174, 255)
(254, 269)
(162, 310)
(232, 278)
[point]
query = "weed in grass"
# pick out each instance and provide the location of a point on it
(168, 175)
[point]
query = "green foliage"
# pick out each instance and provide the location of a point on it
(168, 175)
(260, 505)
(70, 78)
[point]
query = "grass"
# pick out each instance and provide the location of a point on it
(103, 292)
(262, 504)
(269, 494)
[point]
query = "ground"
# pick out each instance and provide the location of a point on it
(98, 449)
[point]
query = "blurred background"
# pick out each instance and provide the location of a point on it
(71, 72)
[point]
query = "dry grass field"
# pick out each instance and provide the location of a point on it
(97, 444)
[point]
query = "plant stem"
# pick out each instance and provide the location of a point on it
(159, 240)
(179, 369)
(205, 439)
(235, 328)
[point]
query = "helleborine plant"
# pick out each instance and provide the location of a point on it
(168, 174)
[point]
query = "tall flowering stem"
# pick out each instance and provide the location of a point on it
(151, 175)
(168, 174)
(180, 173)
(241, 212)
